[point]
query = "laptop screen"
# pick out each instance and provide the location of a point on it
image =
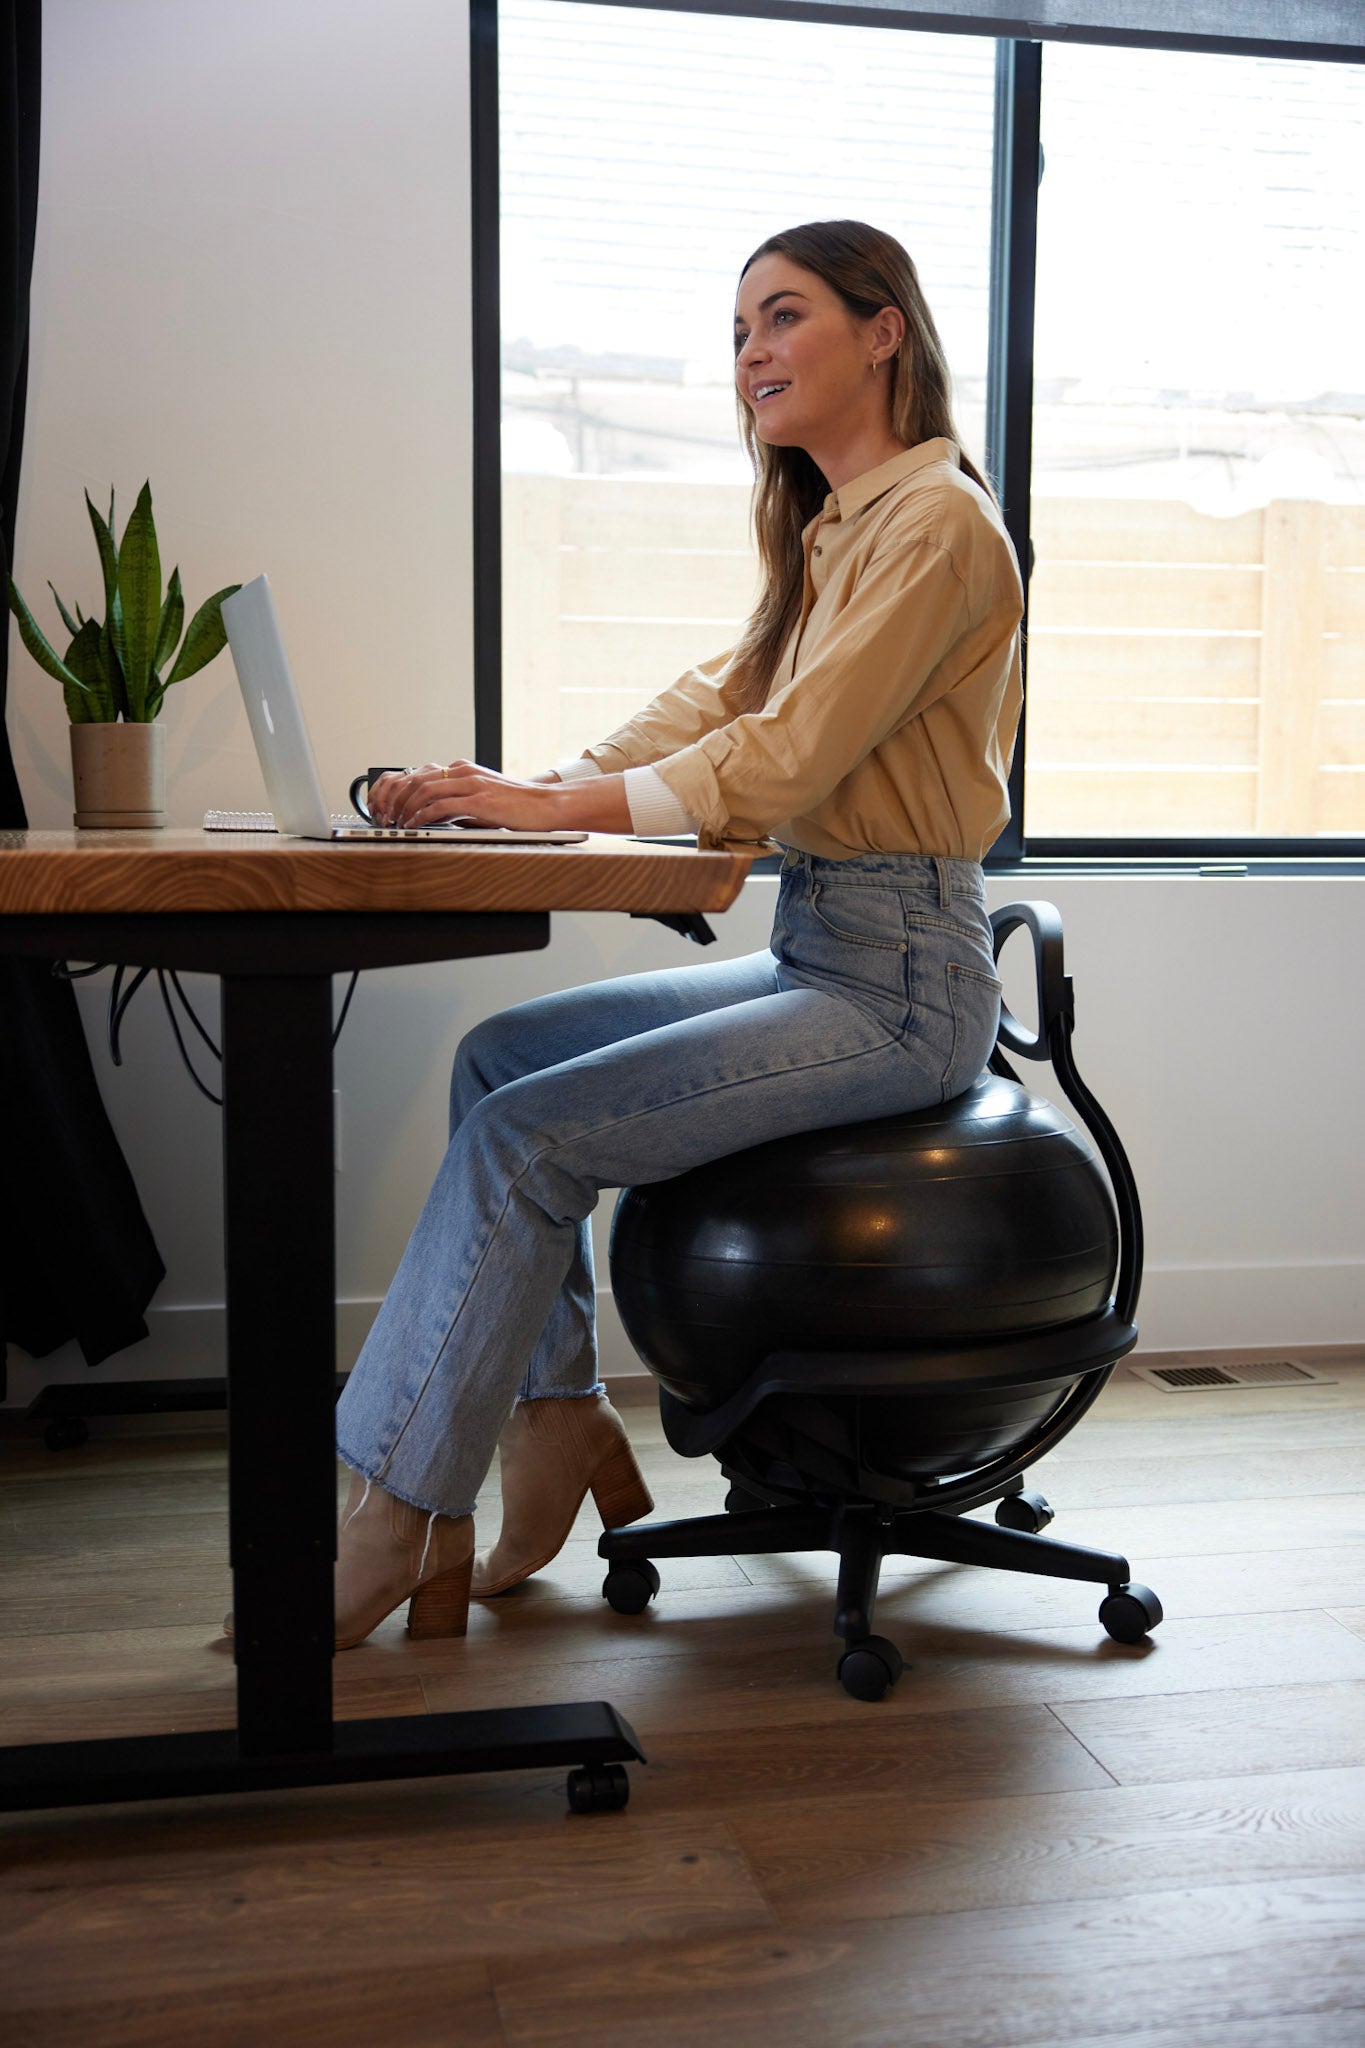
(274, 713)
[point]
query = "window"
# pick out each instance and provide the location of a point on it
(644, 155)
(1195, 652)
(1197, 609)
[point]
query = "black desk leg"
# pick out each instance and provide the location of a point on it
(277, 1149)
(281, 1334)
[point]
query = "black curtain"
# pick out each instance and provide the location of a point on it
(76, 1256)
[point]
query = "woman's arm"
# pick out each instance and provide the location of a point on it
(697, 703)
(594, 804)
(907, 635)
(654, 809)
(434, 794)
(602, 798)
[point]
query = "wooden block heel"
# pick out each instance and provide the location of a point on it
(441, 1607)
(555, 1451)
(619, 1490)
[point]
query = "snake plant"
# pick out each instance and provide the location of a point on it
(116, 667)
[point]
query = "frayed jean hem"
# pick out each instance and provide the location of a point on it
(568, 1393)
(427, 1507)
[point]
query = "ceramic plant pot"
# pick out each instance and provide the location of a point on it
(119, 773)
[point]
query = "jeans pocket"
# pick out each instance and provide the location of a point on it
(861, 915)
(974, 999)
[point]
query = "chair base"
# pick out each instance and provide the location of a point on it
(861, 1534)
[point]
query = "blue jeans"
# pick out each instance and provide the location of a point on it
(878, 994)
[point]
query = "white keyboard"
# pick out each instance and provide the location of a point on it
(263, 821)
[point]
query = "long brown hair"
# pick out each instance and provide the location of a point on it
(868, 270)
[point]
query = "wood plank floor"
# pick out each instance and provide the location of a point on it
(1040, 1838)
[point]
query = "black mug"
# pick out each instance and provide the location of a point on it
(364, 781)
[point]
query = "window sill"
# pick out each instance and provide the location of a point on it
(1209, 867)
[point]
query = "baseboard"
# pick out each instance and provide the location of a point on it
(182, 1343)
(1255, 1305)
(190, 1342)
(1326, 1357)
(1189, 1312)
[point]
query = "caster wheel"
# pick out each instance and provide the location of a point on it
(629, 1588)
(598, 1788)
(738, 1502)
(1129, 1613)
(869, 1669)
(66, 1434)
(1026, 1511)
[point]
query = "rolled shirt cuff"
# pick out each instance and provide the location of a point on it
(577, 768)
(653, 806)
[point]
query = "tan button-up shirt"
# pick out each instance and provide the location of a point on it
(891, 721)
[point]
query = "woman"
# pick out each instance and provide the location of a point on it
(865, 721)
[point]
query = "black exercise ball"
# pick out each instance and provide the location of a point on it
(972, 1222)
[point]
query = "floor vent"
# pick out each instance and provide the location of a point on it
(1260, 1372)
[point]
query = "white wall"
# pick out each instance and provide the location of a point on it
(252, 284)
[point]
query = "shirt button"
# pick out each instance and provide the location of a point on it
(817, 551)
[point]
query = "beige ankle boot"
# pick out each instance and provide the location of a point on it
(389, 1551)
(552, 1451)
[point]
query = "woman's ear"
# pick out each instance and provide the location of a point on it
(889, 331)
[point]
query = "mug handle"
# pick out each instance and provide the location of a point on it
(370, 775)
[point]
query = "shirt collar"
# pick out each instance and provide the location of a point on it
(874, 483)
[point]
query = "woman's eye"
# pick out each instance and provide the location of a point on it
(782, 313)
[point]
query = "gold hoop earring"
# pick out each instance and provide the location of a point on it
(874, 366)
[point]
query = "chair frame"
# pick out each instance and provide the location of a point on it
(892, 1516)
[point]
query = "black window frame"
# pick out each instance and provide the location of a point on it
(1009, 396)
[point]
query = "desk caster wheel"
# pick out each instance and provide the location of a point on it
(1129, 1613)
(629, 1588)
(67, 1433)
(1026, 1511)
(598, 1788)
(869, 1669)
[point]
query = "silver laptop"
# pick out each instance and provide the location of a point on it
(285, 751)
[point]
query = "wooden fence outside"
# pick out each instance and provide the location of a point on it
(1186, 674)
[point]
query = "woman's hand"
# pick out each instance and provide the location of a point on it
(433, 794)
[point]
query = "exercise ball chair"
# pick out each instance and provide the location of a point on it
(877, 1327)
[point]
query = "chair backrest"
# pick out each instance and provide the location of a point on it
(1052, 1041)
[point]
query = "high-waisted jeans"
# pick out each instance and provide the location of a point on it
(878, 994)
